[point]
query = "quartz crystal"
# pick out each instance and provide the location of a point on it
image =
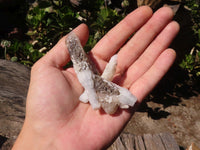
(99, 91)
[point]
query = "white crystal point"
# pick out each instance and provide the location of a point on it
(126, 98)
(84, 97)
(110, 108)
(98, 90)
(110, 68)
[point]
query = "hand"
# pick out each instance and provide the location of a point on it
(56, 119)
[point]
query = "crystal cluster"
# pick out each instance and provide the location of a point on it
(98, 90)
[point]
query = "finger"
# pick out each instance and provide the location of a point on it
(146, 60)
(58, 56)
(118, 35)
(148, 81)
(140, 41)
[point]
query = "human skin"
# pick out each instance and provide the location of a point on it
(56, 119)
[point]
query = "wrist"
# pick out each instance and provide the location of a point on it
(33, 140)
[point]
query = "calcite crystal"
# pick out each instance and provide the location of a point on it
(98, 90)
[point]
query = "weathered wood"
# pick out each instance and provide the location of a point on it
(128, 141)
(149, 142)
(169, 142)
(118, 145)
(161, 141)
(158, 142)
(139, 144)
(14, 81)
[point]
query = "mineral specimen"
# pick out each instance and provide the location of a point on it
(98, 90)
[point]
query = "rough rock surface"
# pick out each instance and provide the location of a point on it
(14, 80)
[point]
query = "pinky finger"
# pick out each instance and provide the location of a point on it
(145, 84)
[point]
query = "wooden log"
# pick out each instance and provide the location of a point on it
(128, 141)
(14, 81)
(157, 140)
(160, 141)
(149, 142)
(139, 144)
(118, 145)
(169, 142)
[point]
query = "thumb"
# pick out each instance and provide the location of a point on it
(58, 56)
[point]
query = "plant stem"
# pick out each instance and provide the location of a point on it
(5, 52)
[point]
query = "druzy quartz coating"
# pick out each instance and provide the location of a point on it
(98, 90)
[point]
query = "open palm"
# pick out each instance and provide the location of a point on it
(56, 119)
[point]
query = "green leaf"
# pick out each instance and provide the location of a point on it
(14, 59)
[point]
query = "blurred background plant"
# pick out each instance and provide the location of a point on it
(47, 21)
(5, 44)
(191, 63)
(37, 25)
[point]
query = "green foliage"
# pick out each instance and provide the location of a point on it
(195, 12)
(106, 19)
(191, 63)
(24, 52)
(5, 44)
(48, 21)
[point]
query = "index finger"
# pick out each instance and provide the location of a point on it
(112, 41)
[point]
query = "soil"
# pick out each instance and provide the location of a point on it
(174, 107)
(181, 120)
